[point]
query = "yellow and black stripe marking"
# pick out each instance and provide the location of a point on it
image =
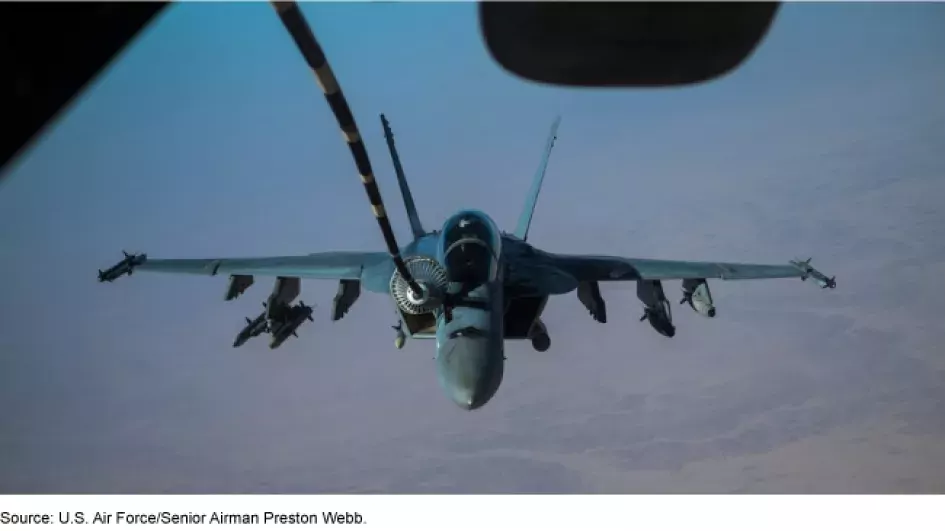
(301, 33)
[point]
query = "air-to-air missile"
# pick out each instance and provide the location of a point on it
(809, 272)
(253, 328)
(401, 338)
(125, 267)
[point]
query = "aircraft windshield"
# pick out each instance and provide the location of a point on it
(469, 252)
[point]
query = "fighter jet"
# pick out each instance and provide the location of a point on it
(470, 285)
(253, 328)
(285, 323)
(125, 267)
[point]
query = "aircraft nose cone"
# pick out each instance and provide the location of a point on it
(465, 399)
(464, 371)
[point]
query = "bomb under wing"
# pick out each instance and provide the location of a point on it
(283, 324)
(253, 328)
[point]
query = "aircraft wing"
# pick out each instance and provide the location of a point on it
(330, 265)
(612, 268)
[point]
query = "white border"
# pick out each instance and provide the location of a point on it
(513, 513)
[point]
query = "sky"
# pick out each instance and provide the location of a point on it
(209, 138)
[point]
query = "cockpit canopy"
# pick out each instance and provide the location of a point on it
(470, 246)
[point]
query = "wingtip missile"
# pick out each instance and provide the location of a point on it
(124, 267)
(808, 271)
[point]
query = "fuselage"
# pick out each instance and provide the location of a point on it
(470, 357)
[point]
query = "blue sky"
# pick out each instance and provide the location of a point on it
(210, 138)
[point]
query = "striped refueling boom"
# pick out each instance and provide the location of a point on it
(305, 40)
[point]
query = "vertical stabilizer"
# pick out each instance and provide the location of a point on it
(415, 227)
(525, 220)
